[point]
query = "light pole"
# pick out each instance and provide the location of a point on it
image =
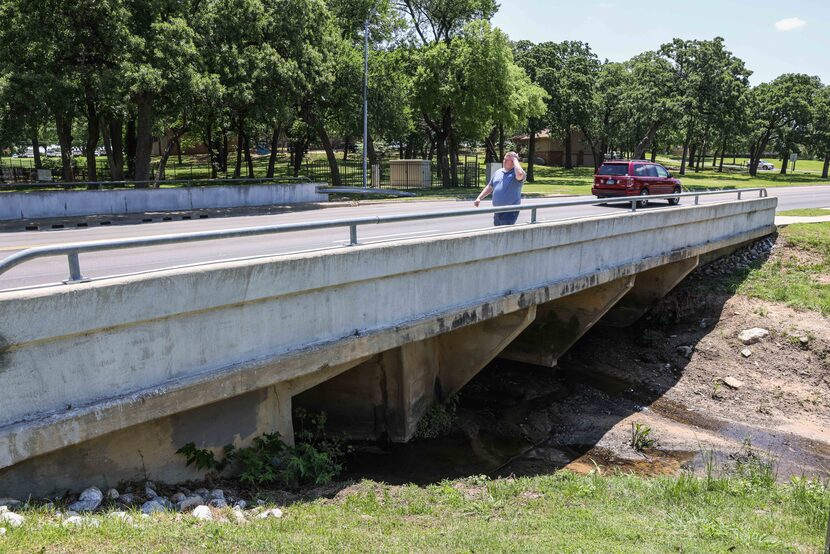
(365, 93)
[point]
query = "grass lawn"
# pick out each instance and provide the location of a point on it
(807, 212)
(799, 278)
(563, 512)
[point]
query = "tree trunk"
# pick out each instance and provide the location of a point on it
(36, 151)
(785, 162)
(654, 153)
(179, 149)
(693, 156)
(334, 169)
(93, 132)
(225, 152)
(826, 168)
(370, 150)
(567, 162)
(130, 146)
(685, 149)
(722, 154)
(758, 150)
(490, 147)
(453, 152)
(346, 148)
(272, 158)
(531, 153)
(212, 154)
(64, 129)
(168, 149)
(501, 142)
(248, 160)
(443, 161)
(646, 141)
(240, 140)
(144, 137)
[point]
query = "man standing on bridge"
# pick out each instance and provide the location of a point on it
(506, 186)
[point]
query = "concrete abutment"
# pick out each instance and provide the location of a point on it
(387, 395)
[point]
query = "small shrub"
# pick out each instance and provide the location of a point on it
(438, 420)
(313, 460)
(641, 437)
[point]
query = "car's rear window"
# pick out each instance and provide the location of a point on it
(613, 169)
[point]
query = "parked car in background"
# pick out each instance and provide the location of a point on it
(100, 151)
(635, 178)
(763, 164)
(53, 150)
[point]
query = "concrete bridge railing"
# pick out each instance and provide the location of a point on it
(107, 379)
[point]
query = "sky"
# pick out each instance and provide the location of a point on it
(771, 37)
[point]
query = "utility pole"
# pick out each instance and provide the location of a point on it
(365, 94)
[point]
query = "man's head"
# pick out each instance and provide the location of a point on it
(509, 160)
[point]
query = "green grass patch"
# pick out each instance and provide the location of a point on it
(798, 275)
(807, 212)
(563, 512)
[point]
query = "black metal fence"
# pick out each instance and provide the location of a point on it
(380, 175)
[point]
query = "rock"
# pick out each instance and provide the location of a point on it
(151, 506)
(217, 494)
(190, 502)
(274, 512)
(126, 499)
(218, 503)
(89, 500)
(11, 503)
(685, 351)
(804, 341)
(751, 336)
(241, 504)
(123, 516)
(746, 352)
(112, 494)
(178, 497)
(238, 516)
(203, 513)
(13, 519)
(2, 531)
(150, 492)
(78, 521)
(732, 383)
(204, 493)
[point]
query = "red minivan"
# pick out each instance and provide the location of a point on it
(635, 178)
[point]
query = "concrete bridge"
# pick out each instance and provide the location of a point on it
(104, 381)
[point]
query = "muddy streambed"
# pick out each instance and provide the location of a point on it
(525, 420)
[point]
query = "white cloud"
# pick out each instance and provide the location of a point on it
(790, 24)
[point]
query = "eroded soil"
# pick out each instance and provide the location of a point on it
(520, 419)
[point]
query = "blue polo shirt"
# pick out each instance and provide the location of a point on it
(507, 189)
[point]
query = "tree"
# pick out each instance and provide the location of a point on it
(784, 103)
(819, 132)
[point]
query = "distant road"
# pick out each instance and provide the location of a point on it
(53, 270)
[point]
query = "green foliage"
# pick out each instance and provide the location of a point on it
(313, 460)
(641, 437)
(438, 420)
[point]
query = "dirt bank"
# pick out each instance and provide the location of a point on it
(681, 371)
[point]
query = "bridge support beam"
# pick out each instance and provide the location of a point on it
(387, 395)
(649, 287)
(561, 322)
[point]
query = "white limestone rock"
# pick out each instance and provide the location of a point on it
(202, 513)
(273, 512)
(751, 336)
(12, 519)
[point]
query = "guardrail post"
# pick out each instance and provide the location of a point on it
(533, 215)
(739, 195)
(633, 205)
(697, 199)
(74, 268)
(352, 235)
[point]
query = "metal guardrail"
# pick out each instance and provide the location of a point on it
(72, 251)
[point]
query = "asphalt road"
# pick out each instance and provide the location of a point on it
(94, 265)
